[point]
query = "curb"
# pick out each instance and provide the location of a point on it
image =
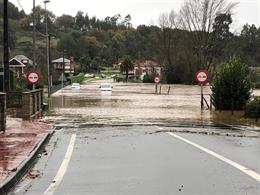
(25, 165)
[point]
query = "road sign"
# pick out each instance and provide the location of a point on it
(157, 80)
(202, 76)
(33, 77)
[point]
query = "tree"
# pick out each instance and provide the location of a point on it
(65, 22)
(126, 66)
(250, 42)
(80, 21)
(231, 87)
(220, 35)
(197, 16)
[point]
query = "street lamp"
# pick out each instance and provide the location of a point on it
(47, 46)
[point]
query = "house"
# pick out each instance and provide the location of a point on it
(147, 67)
(57, 68)
(19, 64)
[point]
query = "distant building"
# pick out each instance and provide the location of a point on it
(57, 68)
(147, 67)
(19, 64)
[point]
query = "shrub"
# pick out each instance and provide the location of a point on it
(253, 108)
(231, 85)
(20, 84)
(78, 78)
(148, 78)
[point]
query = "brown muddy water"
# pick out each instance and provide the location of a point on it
(132, 103)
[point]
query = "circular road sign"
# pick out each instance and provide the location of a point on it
(202, 76)
(157, 79)
(33, 77)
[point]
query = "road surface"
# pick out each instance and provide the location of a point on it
(132, 141)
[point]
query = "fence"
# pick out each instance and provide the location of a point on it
(55, 88)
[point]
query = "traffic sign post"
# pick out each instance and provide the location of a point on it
(201, 77)
(157, 81)
(33, 77)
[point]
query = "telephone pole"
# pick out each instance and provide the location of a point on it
(6, 49)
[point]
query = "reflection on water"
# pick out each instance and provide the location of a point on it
(137, 103)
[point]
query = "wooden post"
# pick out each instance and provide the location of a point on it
(169, 88)
(201, 100)
(156, 88)
(160, 89)
(210, 106)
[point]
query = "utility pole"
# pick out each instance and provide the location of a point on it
(6, 49)
(47, 48)
(34, 37)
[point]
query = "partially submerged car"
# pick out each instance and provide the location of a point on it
(75, 86)
(106, 87)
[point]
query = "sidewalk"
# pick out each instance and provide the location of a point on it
(18, 145)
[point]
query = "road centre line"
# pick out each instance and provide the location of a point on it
(63, 168)
(241, 168)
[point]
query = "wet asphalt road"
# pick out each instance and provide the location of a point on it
(136, 155)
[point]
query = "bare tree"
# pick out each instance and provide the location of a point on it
(197, 16)
(168, 22)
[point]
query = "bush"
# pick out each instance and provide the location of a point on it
(231, 86)
(257, 85)
(78, 78)
(253, 108)
(148, 79)
(20, 84)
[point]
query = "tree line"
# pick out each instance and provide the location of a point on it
(198, 36)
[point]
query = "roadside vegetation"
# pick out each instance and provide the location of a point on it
(182, 41)
(231, 86)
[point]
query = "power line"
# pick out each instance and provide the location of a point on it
(18, 1)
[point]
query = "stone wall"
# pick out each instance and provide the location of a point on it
(26, 105)
(2, 111)
(31, 105)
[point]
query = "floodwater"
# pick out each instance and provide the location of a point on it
(137, 103)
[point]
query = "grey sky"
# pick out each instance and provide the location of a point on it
(141, 11)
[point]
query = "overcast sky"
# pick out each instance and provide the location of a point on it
(141, 11)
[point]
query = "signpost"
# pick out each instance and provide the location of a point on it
(33, 77)
(202, 77)
(157, 81)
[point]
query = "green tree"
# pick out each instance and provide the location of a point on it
(126, 65)
(231, 87)
(250, 42)
(65, 22)
(221, 34)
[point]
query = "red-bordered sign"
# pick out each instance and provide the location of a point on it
(33, 77)
(202, 76)
(157, 79)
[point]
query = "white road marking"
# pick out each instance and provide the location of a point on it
(242, 168)
(63, 168)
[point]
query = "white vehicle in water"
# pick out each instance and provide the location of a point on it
(106, 87)
(75, 86)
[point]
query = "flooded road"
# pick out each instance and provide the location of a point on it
(132, 141)
(132, 103)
